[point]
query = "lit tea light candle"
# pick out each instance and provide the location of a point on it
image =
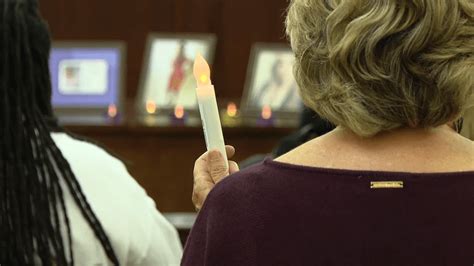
(266, 117)
(267, 112)
(179, 116)
(232, 109)
(179, 112)
(230, 115)
(112, 110)
(150, 107)
(206, 98)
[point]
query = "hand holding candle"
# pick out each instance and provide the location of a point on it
(208, 107)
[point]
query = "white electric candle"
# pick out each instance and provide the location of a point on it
(206, 97)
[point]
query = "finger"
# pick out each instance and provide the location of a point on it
(230, 150)
(217, 166)
(201, 167)
(233, 167)
(201, 188)
(199, 197)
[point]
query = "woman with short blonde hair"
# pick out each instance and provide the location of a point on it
(378, 65)
(393, 184)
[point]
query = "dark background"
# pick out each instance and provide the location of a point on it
(237, 23)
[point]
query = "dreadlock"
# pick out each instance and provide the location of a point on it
(34, 225)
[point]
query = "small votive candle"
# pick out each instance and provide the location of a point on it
(150, 107)
(112, 111)
(266, 117)
(232, 109)
(231, 115)
(179, 112)
(267, 112)
(179, 115)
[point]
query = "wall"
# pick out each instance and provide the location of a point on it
(162, 159)
(237, 23)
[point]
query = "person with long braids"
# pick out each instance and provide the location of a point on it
(62, 201)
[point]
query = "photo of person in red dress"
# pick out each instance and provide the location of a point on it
(168, 80)
(179, 73)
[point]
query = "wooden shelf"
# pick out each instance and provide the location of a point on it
(161, 159)
(172, 130)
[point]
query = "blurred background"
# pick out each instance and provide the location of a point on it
(237, 24)
(161, 156)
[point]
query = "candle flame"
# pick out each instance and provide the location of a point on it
(202, 72)
(266, 112)
(232, 109)
(179, 111)
(204, 79)
(151, 107)
(112, 110)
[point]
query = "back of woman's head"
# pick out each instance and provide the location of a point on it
(34, 225)
(375, 65)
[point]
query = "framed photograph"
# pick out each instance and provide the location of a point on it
(270, 82)
(87, 77)
(167, 77)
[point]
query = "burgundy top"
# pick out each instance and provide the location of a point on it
(281, 214)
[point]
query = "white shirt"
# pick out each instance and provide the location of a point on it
(139, 234)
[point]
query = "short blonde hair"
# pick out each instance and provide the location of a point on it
(468, 125)
(376, 65)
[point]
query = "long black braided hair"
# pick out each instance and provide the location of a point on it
(34, 226)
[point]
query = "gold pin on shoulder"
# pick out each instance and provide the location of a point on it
(386, 184)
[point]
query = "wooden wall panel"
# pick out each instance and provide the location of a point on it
(237, 23)
(162, 159)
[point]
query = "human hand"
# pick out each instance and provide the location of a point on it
(209, 170)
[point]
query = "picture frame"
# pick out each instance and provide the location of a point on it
(265, 86)
(87, 79)
(167, 80)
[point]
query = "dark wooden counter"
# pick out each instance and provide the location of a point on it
(161, 159)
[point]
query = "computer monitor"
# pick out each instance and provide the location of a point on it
(87, 79)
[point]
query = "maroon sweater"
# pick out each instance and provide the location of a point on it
(280, 214)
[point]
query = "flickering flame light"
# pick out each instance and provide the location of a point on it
(202, 72)
(179, 111)
(112, 110)
(232, 109)
(266, 112)
(150, 107)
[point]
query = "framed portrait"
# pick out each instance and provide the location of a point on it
(270, 82)
(167, 77)
(87, 77)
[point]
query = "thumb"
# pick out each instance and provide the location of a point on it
(217, 166)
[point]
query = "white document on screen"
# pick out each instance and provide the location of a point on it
(83, 77)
